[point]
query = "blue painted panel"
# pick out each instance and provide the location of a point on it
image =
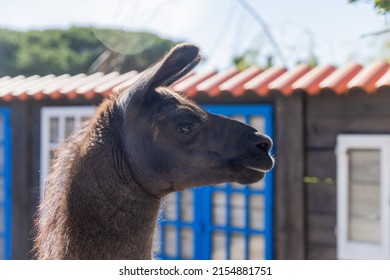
(202, 225)
(5, 174)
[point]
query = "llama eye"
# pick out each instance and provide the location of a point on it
(184, 128)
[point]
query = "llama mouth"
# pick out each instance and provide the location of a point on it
(254, 165)
(248, 176)
(246, 173)
(257, 169)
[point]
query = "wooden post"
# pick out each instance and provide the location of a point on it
(289, 187)
(21, 216)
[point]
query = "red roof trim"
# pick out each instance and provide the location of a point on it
(38, 88)
(310, 82)
(106, 87)
(70, 89)
(188, 85)
(367, 78)
(261, 82)
(212, 83)
(235, 85)
(384, 80)
(190, 74)
(53, 90)
(338, 80)
(284, 83)
(17, 84)
(88, 89)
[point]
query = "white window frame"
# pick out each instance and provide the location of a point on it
(348, 249)
(61, 112)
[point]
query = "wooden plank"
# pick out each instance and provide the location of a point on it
(21, 215)
(289, 187)
(321, 163)
(321, 252)
(322, 132)
(250, 97)
(321, 198)
(35, 132)
(352, 104)
(321, 229)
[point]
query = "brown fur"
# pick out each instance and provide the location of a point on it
(106, 183)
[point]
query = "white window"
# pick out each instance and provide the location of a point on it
(363, 184)
(56, 124)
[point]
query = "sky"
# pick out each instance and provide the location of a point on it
(331, 30)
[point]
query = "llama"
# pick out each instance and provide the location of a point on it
(107, 181)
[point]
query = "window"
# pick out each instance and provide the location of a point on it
(56, 124)
(225, 221)
(363, 184)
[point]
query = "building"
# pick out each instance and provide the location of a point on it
(327, 197)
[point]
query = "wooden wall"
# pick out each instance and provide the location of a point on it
(26, 123)
(289, 193)
(326, 116)
(306, 128)
(26, 129)
(21, 198)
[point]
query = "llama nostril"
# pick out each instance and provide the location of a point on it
(261, 142)
(257, 141)
(263, 146)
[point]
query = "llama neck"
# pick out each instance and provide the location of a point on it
(110, 215)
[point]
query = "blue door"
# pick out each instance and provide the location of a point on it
(227, 221)
(5, 185)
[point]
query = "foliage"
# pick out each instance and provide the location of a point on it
(246, 60)
(74, 50)
(382, 6)
(250, 57)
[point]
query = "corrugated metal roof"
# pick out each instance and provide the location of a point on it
(311, 80)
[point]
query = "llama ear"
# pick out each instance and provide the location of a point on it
(176, 63)
(179, 61)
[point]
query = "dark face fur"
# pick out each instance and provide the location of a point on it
(173, 144)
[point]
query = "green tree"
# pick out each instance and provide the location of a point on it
(76, 49)
(382, 6)
(8, 50)
(246, 59)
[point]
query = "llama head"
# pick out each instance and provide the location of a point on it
(172, 144)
